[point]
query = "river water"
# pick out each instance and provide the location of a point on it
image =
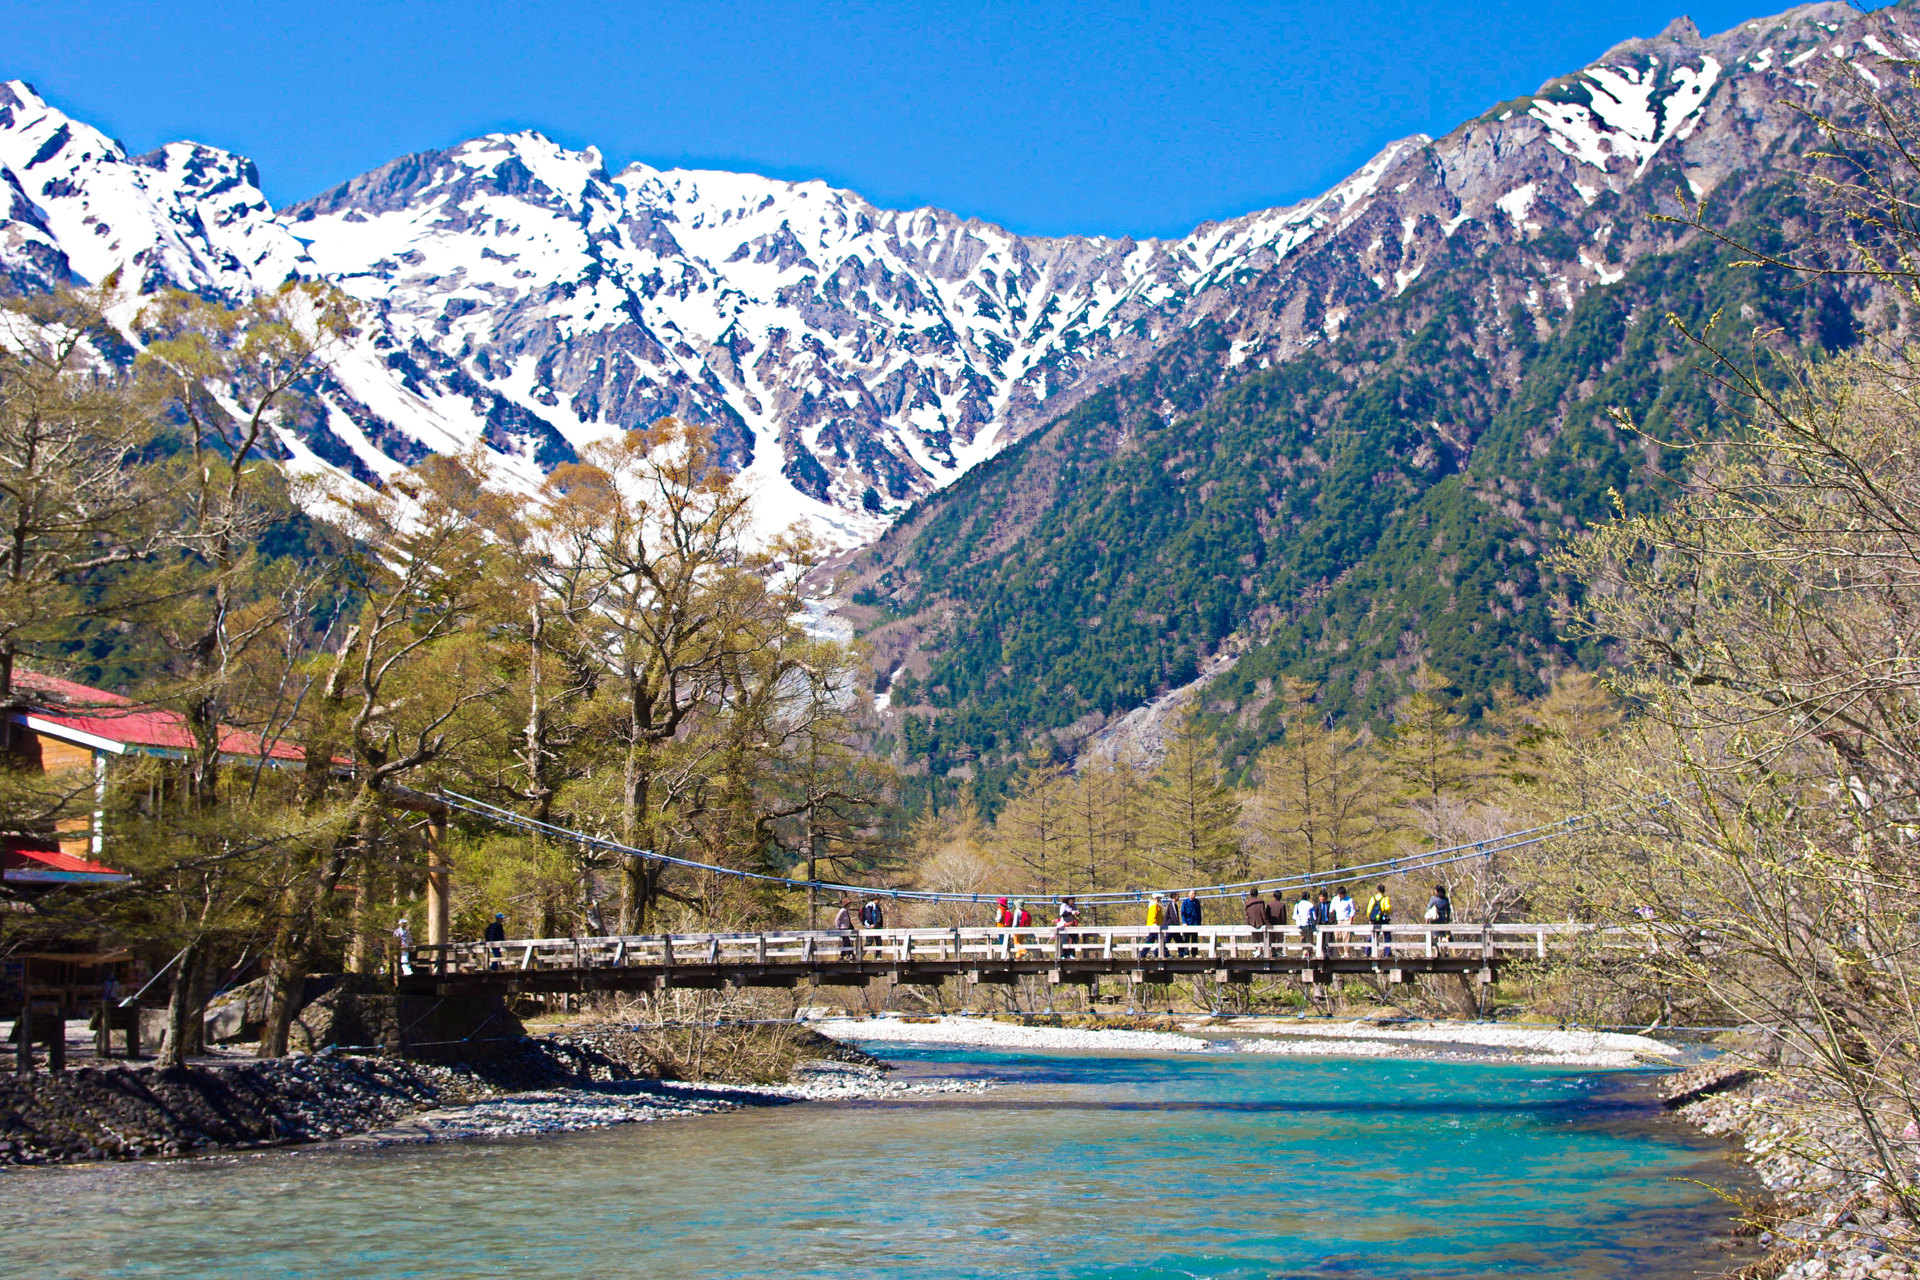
(1078, 1166)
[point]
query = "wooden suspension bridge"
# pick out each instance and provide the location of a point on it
(991, 954)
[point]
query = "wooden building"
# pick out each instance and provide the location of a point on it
(69, 729)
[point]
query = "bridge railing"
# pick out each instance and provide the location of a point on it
(987, 946)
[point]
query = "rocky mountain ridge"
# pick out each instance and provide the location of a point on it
(1353, 462)
(851, 359)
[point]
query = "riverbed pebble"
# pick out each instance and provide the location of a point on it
(1543, 1046)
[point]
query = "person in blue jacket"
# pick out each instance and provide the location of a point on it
(1190, 914)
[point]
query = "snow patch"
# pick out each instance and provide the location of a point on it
(1517, 202)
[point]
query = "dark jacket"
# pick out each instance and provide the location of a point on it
(495, 932)
(1323, 913)
(1189, 911)
(1442, 909)
(1257, 913)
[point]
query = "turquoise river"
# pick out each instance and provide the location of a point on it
(1075, 1166)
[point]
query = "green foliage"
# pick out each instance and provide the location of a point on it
(1351, 511)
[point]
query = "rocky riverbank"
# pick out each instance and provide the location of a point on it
(585, 1077)
(1821, 1219)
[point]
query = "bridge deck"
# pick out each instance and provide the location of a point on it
(1230, 953)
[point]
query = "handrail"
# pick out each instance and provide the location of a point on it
(988, 945)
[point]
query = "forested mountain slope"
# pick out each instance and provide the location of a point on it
(1384, 495)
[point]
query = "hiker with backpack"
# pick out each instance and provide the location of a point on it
(1380, 916)
(1440, 911)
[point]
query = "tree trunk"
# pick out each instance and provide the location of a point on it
(639, 878)
(186, 1031)
(360, 946)
(286, 973)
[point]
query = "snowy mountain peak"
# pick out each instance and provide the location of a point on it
(849, 359)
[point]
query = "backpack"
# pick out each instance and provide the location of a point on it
(1378, 911)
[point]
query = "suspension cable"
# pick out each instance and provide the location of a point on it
(1404, 865)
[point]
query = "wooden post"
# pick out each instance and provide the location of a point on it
(23, 1028)
(439, 899)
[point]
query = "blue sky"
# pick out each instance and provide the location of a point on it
(1084, 117)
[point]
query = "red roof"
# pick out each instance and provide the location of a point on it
(95, 712)
(22, 861)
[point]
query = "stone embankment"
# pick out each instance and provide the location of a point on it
(585, 1077)
(1821, 1221)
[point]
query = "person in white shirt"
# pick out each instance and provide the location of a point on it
(403, 938)
(1303, 918)
(1067, 917)
(1342, 906)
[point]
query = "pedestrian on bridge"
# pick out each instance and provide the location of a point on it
(1440, 911)
(1255, 910)
(843, 925)
(1066, 918)
(1159, 916)
(403, 943)
(1343, 907)
(494, 934)
(1304, 919)
(1190, 915)
(1380, 916)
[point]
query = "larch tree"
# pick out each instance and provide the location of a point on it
(74, 503)
(1192, 817)
(1427, 750)
(1034, 829)
(1318, 805)
(649, 543)
(231, 376)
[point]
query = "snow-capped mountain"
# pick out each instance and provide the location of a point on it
(850, 358)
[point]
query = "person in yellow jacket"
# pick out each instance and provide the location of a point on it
(1380, 915)
(1156, 925)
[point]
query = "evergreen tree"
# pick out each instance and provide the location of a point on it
(1319, 801)
(1428, 753)
(1191, 815)
(1033, 830)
